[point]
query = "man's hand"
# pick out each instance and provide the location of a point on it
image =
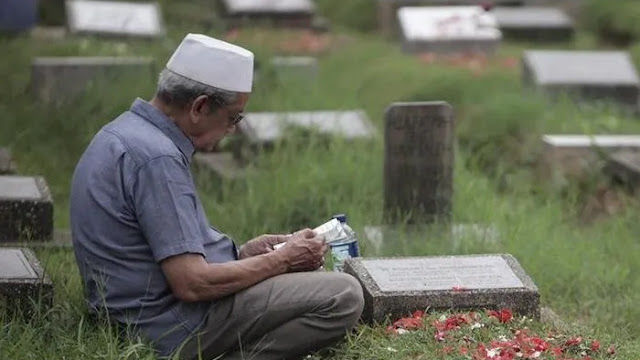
(304, 251)
(261, 245)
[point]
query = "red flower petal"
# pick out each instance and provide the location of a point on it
(595, 345)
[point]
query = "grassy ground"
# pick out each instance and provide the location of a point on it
(587, 272)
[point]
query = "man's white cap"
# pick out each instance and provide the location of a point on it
(213, 62)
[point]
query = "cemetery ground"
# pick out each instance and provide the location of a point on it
(582, 251)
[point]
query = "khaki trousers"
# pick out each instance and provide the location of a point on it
(284, 317)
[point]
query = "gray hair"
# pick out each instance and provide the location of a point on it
(178, 91)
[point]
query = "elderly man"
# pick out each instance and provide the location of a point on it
(150, 260)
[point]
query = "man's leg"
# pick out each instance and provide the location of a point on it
(283, 317)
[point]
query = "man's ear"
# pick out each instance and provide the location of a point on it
(199, 107)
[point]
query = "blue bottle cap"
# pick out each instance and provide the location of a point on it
(340, 217)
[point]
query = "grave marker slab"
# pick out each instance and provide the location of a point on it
(387, 9)
(394, 287)
(266, 128)
(222, 164)
(591, 75)
(293, 13)
(6, 163)
(448, 29)
(26, 209)
(296, 67)
(624, 166)
(418, 162)
(23, 280)
(58, 79)
(117, 18)
(572, 156)
(534, 23)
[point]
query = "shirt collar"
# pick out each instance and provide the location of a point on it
(165, 124)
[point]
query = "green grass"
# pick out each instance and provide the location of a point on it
(586, 273)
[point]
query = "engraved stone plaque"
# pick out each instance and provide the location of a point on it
(19, 187)
(115, 18)
(13, 264)
(489, 272)
(395, 287)
(418, 162)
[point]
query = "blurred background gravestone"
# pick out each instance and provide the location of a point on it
(115, 18)
(448, 30)
(280, 13)
(534, 23)
(23, 282)
(59, 79)
(26, 209)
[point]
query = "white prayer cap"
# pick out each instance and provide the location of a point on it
(213, 62)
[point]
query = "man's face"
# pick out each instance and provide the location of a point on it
(209, 127)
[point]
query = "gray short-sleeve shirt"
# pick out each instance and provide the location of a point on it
(134, 204)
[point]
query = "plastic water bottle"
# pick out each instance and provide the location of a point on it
(344, 249)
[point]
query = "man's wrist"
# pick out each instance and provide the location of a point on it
(278, 261)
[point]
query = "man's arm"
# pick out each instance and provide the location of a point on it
(192, 279)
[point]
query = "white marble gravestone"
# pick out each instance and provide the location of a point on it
(448, 29)
(592, 75)
(269, 6)
(533, 23)
(266, 127)
(115, 18)
(395, 287)
(15, 265)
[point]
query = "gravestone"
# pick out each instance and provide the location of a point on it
(624, 167)
(23, 281)
(267, 127)
(534, 23)
(295, 67)
(590, 75)
(26, 209)
(7, 165)
(418, 162)
(59, 79)
(448, 30)
(222, 164)
(394, 287)
(387, 9)
(115, 18)
(574, 156)
(289, 13)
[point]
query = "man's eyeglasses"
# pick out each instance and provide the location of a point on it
(234, 119)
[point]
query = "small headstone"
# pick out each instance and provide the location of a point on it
(26, 209)
(394, 287)
(624, 166)
(572, 156)
(266, 128)
(593, 75)
(58, 79)
(293, 13)
(115, 18)
(223, 164)
(295, 67)
(534, 23)
(449, 29)
(387, 9)
(22, 280)
(418, 162)
(6, 162)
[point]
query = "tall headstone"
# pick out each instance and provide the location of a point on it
(395, 287)
(26, 209)
(288, 13)
(534, 23)
(6, 162)
(590, 75)
(418, 161)
(58, 79)
(449, 30)
(115, 18)
(23, 281)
